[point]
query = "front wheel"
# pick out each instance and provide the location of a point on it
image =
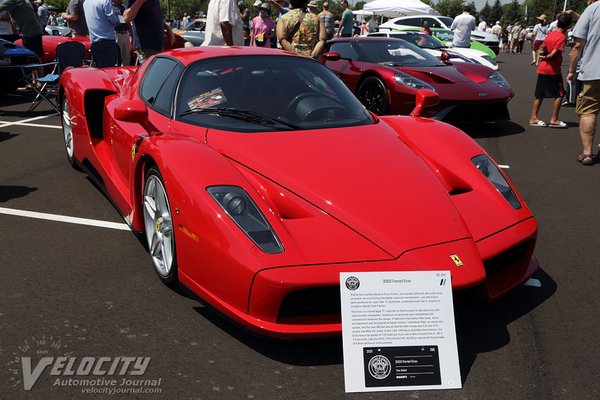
(68, 133)
(158, 224)
(373, 95)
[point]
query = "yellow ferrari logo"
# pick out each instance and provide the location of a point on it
(133, 148)
(158, 226)
(456, 260)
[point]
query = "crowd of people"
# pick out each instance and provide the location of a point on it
(140, 23)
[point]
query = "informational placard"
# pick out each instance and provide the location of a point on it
(398, 331)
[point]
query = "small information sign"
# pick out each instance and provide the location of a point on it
(398, 331)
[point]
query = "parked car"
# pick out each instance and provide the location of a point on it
(435, 47)
(193, 33)
(385, 75)
(57, 30)
(256, 177)
(12, 59)
(446, 36)
(436, 21)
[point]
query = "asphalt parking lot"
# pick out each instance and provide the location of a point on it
(86, 287)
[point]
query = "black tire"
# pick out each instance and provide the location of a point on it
(373, 95)
(158, 228)
(67, 130)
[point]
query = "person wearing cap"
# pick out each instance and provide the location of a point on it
(540, 31)
(327, 19)
(312, 6)
(482, 24)
(262, 27)
(497, 30)
(223, 24)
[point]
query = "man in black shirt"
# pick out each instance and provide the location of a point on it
(149, 26)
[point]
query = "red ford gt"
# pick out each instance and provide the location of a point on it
(257, 177)
(385, 74)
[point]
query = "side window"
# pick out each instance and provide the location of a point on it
(409, 22)
(155, 76)
(345, 49)
(433, 23)
(164, 100)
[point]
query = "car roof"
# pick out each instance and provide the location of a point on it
(191, 54)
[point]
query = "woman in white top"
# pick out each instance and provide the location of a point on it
(539, 34)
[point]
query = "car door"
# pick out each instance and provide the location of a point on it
(157, 90)
(346, 68)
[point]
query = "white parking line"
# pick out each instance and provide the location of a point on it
(64, 218)
(25, 122)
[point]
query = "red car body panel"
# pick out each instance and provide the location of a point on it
(332, 196)
(456, 84)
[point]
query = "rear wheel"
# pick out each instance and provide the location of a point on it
(373, 94)
(158, 224)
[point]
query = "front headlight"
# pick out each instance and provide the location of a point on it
(490, 59)
(242, 210)
(499, 80)
(411, 81)
(492, 173)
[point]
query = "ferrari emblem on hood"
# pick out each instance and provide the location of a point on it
(456, 260)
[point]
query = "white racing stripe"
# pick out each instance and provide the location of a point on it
(64, 218)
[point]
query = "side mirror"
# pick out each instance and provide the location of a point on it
(332, 56)
(445, 57)
(132, 111)
(425, 98)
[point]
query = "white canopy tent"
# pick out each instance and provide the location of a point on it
(398, 8)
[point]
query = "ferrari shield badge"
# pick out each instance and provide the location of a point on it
(456, 260)
(133, 150)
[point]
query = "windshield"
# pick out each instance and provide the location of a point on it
(257, 93)
(397, 53)
(444, 35)
(446, 20)
(422, 40)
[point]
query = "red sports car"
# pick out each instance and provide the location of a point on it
(256, 177)
(385, 74)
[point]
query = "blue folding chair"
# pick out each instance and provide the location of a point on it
(68, 54)
(106, 53)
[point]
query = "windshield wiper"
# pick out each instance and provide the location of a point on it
(243, 115)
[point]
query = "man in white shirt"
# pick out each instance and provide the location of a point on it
(223, 24)
(462, 26)
(497, 29)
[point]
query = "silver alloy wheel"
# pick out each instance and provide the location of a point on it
(159, 225)
(67, 130)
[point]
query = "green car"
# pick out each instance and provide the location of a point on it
(446, 36)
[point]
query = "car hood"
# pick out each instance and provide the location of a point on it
(364, 177)
(461, 81)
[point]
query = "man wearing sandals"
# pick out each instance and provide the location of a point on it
(550, 82)
(587, 35)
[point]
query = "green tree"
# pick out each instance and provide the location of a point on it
(486, 11)
(512, 13)
(450, 8)
(496, 12)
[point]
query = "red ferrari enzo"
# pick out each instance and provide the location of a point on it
(385, 74)
(256, 177)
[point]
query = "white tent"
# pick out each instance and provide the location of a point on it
(398, 8)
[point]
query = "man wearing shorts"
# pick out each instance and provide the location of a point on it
(540, 31)
(586, 35)
(549, 82)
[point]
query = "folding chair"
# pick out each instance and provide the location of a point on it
(68, 54)
(106, 53)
